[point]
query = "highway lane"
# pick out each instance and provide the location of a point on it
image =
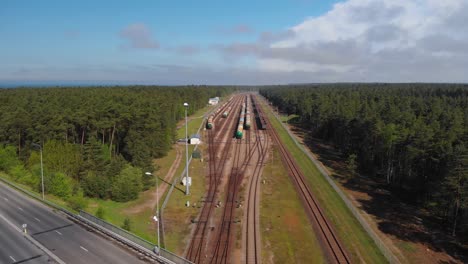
(70, 242)
(15, 248)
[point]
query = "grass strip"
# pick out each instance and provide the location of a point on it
(287, 236)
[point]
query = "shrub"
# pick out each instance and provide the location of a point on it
(78, 202)
(100, 213)
(127, 224)
(58, 184)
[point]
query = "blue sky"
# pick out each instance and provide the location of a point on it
(229, 42)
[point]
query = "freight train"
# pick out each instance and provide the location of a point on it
(260, 115)
(240, 126)
(248, 118)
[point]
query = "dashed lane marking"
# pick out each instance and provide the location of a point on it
(83, 248)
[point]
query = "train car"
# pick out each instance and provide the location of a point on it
(240, 126)
(209, 123)
(240, 129)
(247, 120)
(259, 113)
(226, 113)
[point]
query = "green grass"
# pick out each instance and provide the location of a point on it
(115, 213)
(194, 123)
(286, 118)
(164, 164)
(360, 246)
(287, 236)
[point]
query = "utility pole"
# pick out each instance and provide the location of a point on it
(42, 168)
(187, 188)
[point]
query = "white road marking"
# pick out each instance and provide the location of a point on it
(21, 209)
(58, 232)
(11, 224)
(37, 219)
(12, 258)
(83, 248)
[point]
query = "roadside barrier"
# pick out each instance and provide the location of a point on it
(164, 255)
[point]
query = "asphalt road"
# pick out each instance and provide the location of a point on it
(70, 242)
(16, 248)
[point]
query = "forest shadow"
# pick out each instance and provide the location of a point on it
(395, 216)
(405, 221)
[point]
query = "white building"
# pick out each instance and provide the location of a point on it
(194, 139)
(213, 101)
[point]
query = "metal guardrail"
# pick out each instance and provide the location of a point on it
(389, 255)
(164, 255)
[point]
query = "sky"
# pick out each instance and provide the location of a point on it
(232, 42)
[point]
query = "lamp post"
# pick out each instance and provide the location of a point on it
(42, 168)
(187, 189)
(156, 217)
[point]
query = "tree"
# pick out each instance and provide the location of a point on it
(455, 184)
(58, 184)
(8, 158)
(96, 185)
(351, 165)
(127, 184)
(62, 157)
(20, 174)
(404, 134)
(78, 201)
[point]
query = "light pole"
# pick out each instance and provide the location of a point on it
(42, 168)
(187, 189)
(156, 217)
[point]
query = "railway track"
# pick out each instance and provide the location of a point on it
(252, 241)
(335, 251)
(254, 154)
(221, 249)
(224, 236)
(198, 242)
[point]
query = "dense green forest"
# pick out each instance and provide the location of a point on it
(96, 142)
(411, 136)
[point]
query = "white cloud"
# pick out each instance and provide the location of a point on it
(390, 40)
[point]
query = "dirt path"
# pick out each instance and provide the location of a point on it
(150, 203)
